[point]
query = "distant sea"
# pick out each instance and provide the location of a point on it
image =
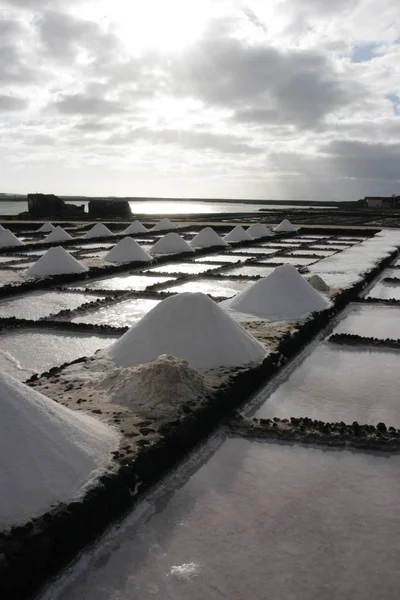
(152, 207)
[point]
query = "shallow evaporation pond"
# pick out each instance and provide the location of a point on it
(249, 271)
(256, 250)
(123, 314)
(189, 268)
(291, 260)
(6, 259)
(41, 304)
(103, 246)
(24, 353)
(223, 288)
(37, 252)
(221, 258)
(335, 383)
(257, 521)
(124, 282)
(381, 322)
(386, 290)
(323, 251)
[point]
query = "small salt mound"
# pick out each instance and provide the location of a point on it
(7, 238)
(188, 326)
(1, 228)
(48, 453)
(171, 243)
(318, 283)
(258, 230)
(166, 380)
(127, 250)
(285, 226)
(98, 230)
(283, 295)
(46, 228)
(58, 235)
(135, 227)
(163, 225)
(238, 234)
(207, 238)
(55, 261)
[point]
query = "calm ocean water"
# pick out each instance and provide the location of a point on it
(168, 207)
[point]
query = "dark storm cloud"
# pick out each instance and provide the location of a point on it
(365, 160)
(86, 104)
(12, 103)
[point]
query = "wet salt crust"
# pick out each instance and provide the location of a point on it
(41, 304)
(380, 322)
(219, 288)
(122, 314)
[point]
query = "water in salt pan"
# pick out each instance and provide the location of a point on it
(41, 304)
(371, 321)
(24, 353)
(256, 250)
(258, 521)
(189, 268)
(122, 314)
(249, 271)
(297, 261)
(123, 282)
(338, 384)
(221, 258)
(219, 288)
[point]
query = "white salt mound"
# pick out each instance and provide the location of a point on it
(1, 228)
(283, 295)
(285, 226)
(207, 238)
(98, 230)
(318, 283)
(135, 227)
(258, 230)
(7, 238)
(166, 380)
(171, 243)
(46, 227)
(58, 235)
(163, 225)
(127, 250)
(48, 453)
(188, 326)
(55, 261)
(238, 234)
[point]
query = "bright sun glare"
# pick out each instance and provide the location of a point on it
(167, 25)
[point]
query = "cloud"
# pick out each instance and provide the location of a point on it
(12, 103)
(361, 160)
(86, 104)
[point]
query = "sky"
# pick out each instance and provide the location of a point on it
(278, 99)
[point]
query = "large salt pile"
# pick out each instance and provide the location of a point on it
(207, 238)
(171, 243)
(188, 326)
(55, 261)
(48, 453)
(46, 227)
(163, 225)
(98, 230)
(258, 230)
(285, 226)
(238, 234)
(127, 250)
(135, 227)
(283, 295)
(7, 238)
(58, 235)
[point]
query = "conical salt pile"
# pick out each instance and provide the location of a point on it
(318, 283)
(1, 228)
(46, 227)
(283, 295)
(207, 238)
(98, 230)
(188, 326)
(58, 235)
(48, 453)
(163, 225)
(238, 234)
(135, 227)
(127, 250)
(285, 226)
(55, 261)
(7, 238)
(258, 230)
(171, 243)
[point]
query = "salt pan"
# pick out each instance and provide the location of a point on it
(98, 230)
(55, 262)
(207, 238)
(189, 326)
(58, 235)
(283, 295)
(7, 238)
(238, 234)
(127, 250)
(48, 453)
(163, 225)
(171, 243)
(258, 230)
(135, 227)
